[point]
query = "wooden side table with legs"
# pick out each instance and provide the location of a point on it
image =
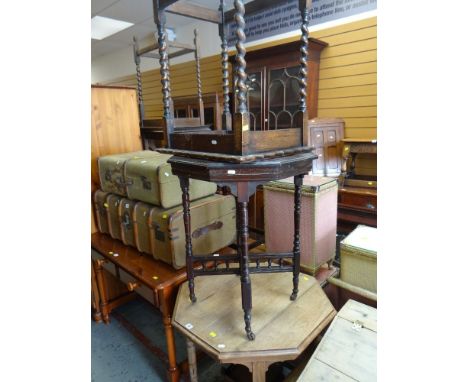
(155, 281)
(243, 179)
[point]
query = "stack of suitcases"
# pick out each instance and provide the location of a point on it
(140, 201)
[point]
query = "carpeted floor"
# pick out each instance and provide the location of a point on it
(118, 356)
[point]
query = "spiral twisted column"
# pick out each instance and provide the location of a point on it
(164, 64)
(225, 71)
(199, 89)
(137, 59)
(240, 57)
(303, 60)
(298, 181)
(197, 63)
(226, 118)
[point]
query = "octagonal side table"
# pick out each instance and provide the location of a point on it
(243, 179)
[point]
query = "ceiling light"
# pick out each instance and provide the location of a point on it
(102, 27)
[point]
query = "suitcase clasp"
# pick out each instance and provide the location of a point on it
(126, 221)
(146, 183)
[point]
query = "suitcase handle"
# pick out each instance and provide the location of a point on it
(204, 230)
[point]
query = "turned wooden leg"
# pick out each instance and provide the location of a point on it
(173, 372)
(184, 185)
(298, 179)
(353, 165)
(102, 289)
(97, 316)
(192, 359)
(243, 230)
(259, 370)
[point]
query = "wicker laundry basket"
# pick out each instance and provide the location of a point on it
(359, 258)
(318, 219)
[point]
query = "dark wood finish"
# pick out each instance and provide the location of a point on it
(161, 129)
(194, 11)
(351, 149)
(325, 137)
(232, 173)
(145, 272)
(298, 180)
(356, 206)
(227, 117)
(184, 185)
(242, 179)
(286, 56)
(252, 142)
(237, 158)
(256, 211)
(252, 7)
(189, 106)
(172, 44)
(241, 141)
(153, 138)
(339, 296)
(243, 232)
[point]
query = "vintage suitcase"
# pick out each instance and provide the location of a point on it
(348, 350)
(111, 170)
(358, 252)
(127, 231)
(150, 180)
(100, 208)
(213, 224)
(318, 219)
(113, 217)
(141, 215)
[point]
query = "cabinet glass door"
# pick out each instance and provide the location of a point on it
(283, 98)
(255, 100)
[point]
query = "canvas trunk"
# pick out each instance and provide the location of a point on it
(213, 225)
(100, 209)
(111, 170)
(113, 217)
(318, 219)
(127, 230)
(150, 180)
(141, 216)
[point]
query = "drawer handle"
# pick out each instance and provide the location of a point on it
(101, 262)
(370, 206)
(132, 286)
